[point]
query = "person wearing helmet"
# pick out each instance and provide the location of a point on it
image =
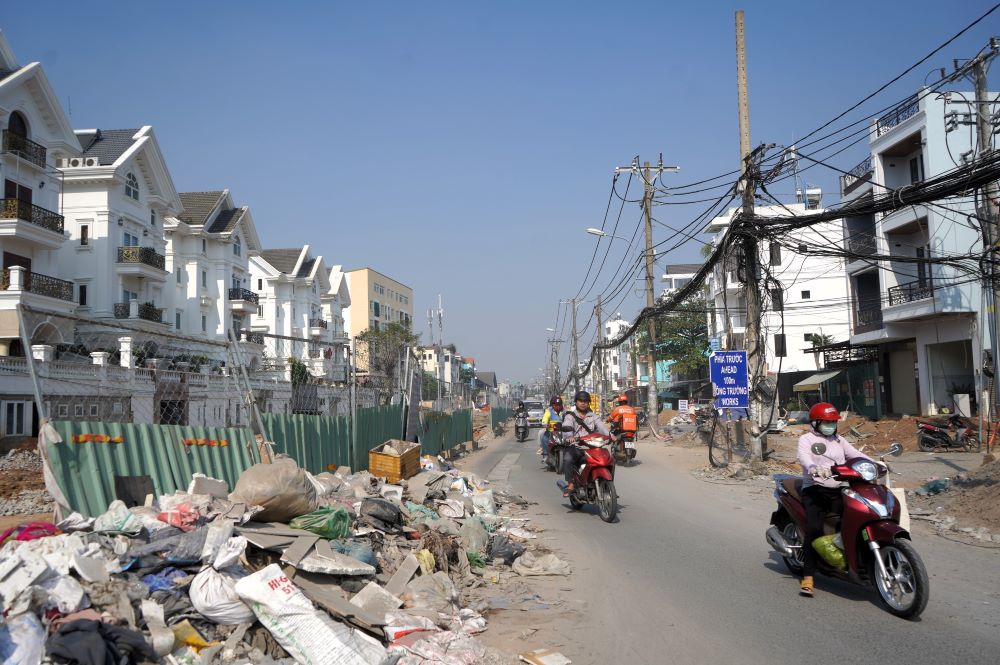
(550, 420)
(623, 417)
(583, 421)
(519, 409)
(820, 492)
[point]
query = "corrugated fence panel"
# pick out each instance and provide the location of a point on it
(86, 471)
(461, 427)
(440, 431)
(314, 442)
(376, 425)
(499, 414)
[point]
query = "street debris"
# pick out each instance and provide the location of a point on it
(963, 506)
(289, 567)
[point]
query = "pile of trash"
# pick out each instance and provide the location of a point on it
(338, 568)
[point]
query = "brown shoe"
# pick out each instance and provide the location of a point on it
(806, 587)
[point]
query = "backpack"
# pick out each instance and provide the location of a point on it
(630, 422)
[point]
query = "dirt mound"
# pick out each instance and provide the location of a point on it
(973, 499)
(20, 470)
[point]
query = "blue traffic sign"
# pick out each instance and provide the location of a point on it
(728, 370)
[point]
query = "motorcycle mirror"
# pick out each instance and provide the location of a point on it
(896, 449)
(818, 448)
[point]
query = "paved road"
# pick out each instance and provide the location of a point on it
(685, 577)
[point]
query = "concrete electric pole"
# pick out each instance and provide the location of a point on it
(756, 362)
(599, 383)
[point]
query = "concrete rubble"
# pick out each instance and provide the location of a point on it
(384, 574)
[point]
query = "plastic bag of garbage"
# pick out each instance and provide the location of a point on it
(307, 634)
(400, 622)
(356, 549)
(934, 486)
(473, 534)
(213, 594)
(118, 519)
(484, 503)
(432, 592)
(330, 523)
(502, 547)
(548, 564)
(22, 640)
(281, 488)
(381, 514)
(827, 549)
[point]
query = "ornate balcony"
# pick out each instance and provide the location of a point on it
(861, 242)
(857, 176)
(318, 323)
(144, 255)
(910, 292)
(27, 212)
(252, 337)
(244, 295)
(136, 310)
(24, 148)
(39, 284)
(866, 319)
(894, 117)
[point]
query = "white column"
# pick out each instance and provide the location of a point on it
(43, 352)
(125, 349)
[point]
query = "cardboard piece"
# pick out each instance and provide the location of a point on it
(544, 657)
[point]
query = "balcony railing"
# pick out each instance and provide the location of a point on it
(867, 319)
(145, 311)
(243, 294)
(144, 255)
(905, 110)
(861, 242)
(317, 323)
(904, 293)
(18, 209)
(857, 176)
(24, 148)
(43, 285)
(252, 337)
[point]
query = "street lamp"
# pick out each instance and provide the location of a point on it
(602, 234)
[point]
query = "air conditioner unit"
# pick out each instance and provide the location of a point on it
(76, 162)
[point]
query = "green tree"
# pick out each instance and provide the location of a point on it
(467, 374)
(428, 387)
(300, 373)
(682, 336)
(380, 354)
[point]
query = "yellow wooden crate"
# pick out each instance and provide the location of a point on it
(394, 467)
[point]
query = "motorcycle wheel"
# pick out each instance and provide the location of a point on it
(791, 534)
(972, 444)
(607, 500)
(907, 596)
(927, 443)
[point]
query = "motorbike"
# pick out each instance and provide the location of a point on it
(624, 446)
(521, 427)
(935, 437)
(594, 480)
(876, 549)
(553, 461)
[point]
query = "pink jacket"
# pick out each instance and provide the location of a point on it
(837, 448)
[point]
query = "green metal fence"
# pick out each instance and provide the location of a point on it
(169, 454)
(316, 442)
(499, 414)
(441, 431)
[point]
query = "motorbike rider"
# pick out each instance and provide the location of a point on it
(820, 492)
(551, 418)
(519, 409)
(623, 417)
(584, 422)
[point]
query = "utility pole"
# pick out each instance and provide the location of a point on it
(440, 315)
(647, 207)
(576, 356)
(600, 388)
(757, 365)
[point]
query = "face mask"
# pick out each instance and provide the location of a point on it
(827, 429)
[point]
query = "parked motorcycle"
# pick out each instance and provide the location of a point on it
(876, 549)
(624, 446)
(934, 437)
(521, 427)
(594, 480)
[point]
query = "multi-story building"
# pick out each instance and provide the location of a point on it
(618, 371)
(910, 317)
(677, 276)
(208, 253)
(376, 300)
(805, 307)
(115, 198)
(295, 305)
(36, 136)
(444, 363)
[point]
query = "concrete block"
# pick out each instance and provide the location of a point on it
(407, 569)
(376, 600)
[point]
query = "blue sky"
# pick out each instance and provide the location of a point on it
(462, 147)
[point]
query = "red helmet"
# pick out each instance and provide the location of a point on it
(621, 399)
(824, 411)
(556, 401)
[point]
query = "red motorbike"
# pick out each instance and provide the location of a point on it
(624, 446)
(876, 549)
(594, 480)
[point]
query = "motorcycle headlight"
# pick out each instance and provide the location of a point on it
(867, 470)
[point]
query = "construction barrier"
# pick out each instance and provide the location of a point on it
(441, 431)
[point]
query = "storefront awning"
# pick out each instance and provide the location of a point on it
(813, 382)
